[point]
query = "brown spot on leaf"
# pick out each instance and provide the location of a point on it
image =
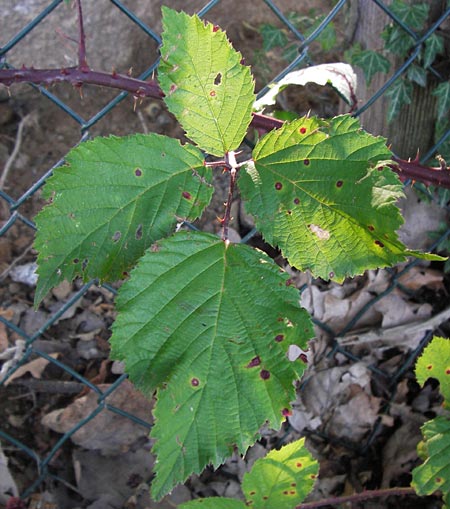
(296, 201)
(138, 233)
(306, 162)
(218, 79)
(264, 374)
(186, 195)
(278, 186)
(371, 228)
(339, 183)
(138, 172)
(256, 361)
(195, 382)
(279, 338)
(379, 243)
(76, 260)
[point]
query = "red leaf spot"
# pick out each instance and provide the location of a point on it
(125, 274)
(172, 88)
(430, 366)
(339, 183)
(447, 371)
(264, 374)
(285, 412)
(256, 361)
(331, 275)
(76, 260)
(302, 130)
(138, 172)
(186, 195)
(212, 93)
(289, 282)
(293, 484)
(438, 480)
(195, 382)
(303, 358)
(299, 465)
(216, 28)
(296, 201)
(306, 162)
(313, 476)
(371, 228)
(379, 243)
(278, 185)
(279, 338)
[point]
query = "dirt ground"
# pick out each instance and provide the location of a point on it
(358, 404)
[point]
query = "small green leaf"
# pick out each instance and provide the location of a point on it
(435, 363)
(434, 46)
(400, 93)
(327, 38)
(417, 74)
(207, 88)
(413, 15)
(213, 503)
(273, 37)
(371, 62)
(320, 192)
(282, 479)
(209, 324)
(442, 92)
(434, 473)
(115, 197)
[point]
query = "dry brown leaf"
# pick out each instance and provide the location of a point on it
(417, 277)
(35, 368)
(3, 337)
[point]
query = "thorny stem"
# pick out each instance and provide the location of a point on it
(358, 497)
(82, 62)
(230, 159)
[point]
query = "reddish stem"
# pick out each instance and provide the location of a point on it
(358, 497)
(439, 176)
(82, 62)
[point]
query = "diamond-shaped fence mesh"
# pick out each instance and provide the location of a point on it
(302, 42)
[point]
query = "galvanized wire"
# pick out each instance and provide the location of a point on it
(13, 205)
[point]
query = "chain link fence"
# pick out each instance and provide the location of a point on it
(25, 348)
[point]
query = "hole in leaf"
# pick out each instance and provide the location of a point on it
(218, 79)
(438, 480)
(264, 374)
(278, 185)
(212, 93)
(138, 172)
(195, 382)
(331, 275)
(379, 243)
(186, 195)
(299, 465)
(72, 215)
(256, 361)
(116, 236)
(319, 232)
(163, 154)
(138, 233)
(289, 212)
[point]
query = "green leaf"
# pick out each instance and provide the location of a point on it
(273, 37)
(340, 76)
(413, 15)
(213, 503)
(207, 88)
(371, 62)
(282, 479)
(434, 46)
(417, 74)
(400, 93)
(434, 474)
(114, 199)
(318, 190)
(435, 363)
(327, 37)
(442, 92)
(396, 40)
(209, 324)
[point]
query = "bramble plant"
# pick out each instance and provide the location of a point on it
(203, 322)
